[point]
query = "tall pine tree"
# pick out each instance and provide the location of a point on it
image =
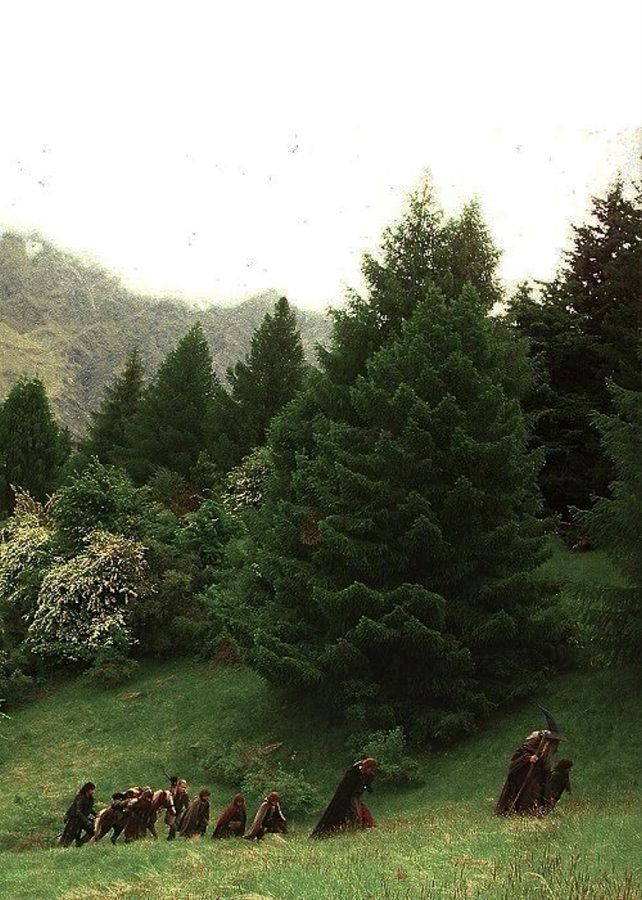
(168, 429)
(585, 328)
(32, 447)
(260, 386)
(615, 613)
(107, 437)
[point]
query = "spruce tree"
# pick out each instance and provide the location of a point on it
(586, 328)
(107, 437)
(260, 386)
(168, 428)
(614, 613)
(32, 447)
(396, 573)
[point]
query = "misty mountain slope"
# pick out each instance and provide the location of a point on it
(73, 324)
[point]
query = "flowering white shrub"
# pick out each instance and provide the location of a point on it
(85, 603)
(246, 483)
(25, 550)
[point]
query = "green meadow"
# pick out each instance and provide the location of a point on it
(440, 840)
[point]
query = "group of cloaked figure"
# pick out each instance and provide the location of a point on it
(534, 784)
(135, 812)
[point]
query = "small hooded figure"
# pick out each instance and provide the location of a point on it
(196, 817)
(268, 819)
(347, 809)
(558, 782)
(80, 817)
(231, 822)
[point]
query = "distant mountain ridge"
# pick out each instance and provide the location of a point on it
(73, 324)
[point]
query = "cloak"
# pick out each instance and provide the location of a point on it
(346, 809)
(79, 820)
(523, 790)
(269, 818)
(195, 819)
(231, 822)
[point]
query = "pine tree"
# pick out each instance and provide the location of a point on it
(586, 328)
(615, 613)
(107, 437)
(397, 572)
(32, 447)
(260, 386)
(168, 428)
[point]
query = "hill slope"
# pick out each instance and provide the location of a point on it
(74, 324)
(440, 840)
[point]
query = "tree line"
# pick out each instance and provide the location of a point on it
(366, 532)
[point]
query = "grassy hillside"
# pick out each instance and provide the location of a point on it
(440, 840)
(74, 325)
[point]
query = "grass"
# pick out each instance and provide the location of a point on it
(437, 841)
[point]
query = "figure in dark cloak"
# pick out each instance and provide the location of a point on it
(559, 781)
(528, 771)
(269, 819)
(79, 819)
(231, 822)
(196, 817)
(178, 789)
(347, 810)
(139, 813)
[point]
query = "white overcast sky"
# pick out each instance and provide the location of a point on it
(214, 149)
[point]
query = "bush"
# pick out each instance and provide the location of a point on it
(394, 766)
(15, 685)
(111, 666)
(298, 796)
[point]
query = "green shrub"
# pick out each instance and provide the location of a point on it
(394, 766)
(111, 666)
(298, 796)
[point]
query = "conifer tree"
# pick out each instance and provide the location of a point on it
(260, 386)
(168, 428)
(585, 328)
(397, 571)
(32, 447)
(107, 437)
(615, 613)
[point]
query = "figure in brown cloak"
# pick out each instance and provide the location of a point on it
(558, 781)
(528, 771)
(196, 817)
(346, 810)
(139, 813)
(231, 822)
(269, 818)
(178, 789)
(113, 817)
(79, 818)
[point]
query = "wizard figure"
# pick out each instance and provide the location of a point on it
(529, 769)
(231, 822)
(347, 809)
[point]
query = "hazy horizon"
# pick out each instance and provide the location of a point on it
(211, 154)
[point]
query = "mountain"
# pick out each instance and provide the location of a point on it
(74, 323)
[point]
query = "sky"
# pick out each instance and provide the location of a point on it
(214, 150)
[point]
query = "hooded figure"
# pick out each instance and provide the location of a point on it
(269, 818)
(558, 781)
(528, 771)
(231, 822)
(79, 818)
(196, 817)
(346, 809)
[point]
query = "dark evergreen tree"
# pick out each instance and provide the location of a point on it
(615, 613)
(396, 572)
(32, 447)
(260, 386)
(168, 428)
(107, 437)
(585, 328)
